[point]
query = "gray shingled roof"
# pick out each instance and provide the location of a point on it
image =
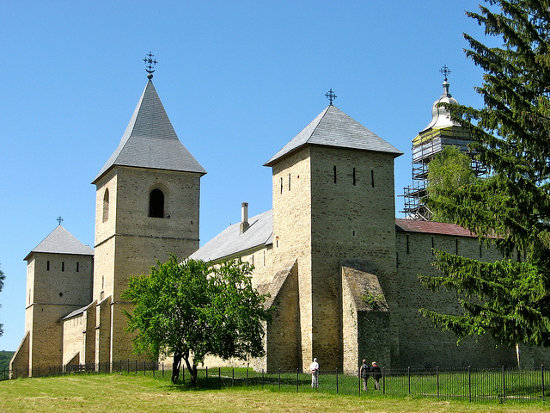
(230, 241)
(61, 241)
(77, 311)
(150, 141)
(332, 127)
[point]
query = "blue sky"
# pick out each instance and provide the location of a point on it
(238, 80)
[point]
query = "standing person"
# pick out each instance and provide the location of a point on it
(364, 373)
(376, 374)
(314, 367)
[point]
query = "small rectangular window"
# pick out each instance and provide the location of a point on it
(62, 266)
(47, 265)
(480, 249)
(77, 266)
(433, 245)
(397, 259)
(456, 246)
(289, 182)
(281, 185)
(353, 176)
(408, 251)
(372, 178)
(334, 172)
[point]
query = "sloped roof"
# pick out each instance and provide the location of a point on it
(230, 241)
(61, 241)
(332, 127)
(150, 141)
(429, 227)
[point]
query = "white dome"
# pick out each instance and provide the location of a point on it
(441, 118)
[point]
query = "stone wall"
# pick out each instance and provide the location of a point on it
(74, 339)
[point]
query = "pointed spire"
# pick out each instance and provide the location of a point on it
(150, 141)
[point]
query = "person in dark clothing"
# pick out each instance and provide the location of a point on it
(376, 375)
(364, 373)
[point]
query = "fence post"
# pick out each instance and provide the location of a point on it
(503, 386)
(206, 374)
(163, 369)
(469, 384)
(233, 377)
(220, 376)
(437, 379)
(336, 380)
(409, 378)
(155, 367)
(262, 378)
(279, 380)
(297, 378)
(247, 377)
(383, 381)
(542, 380)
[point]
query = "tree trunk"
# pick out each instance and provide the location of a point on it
(518, 355)
(176, 367)
(192, 370)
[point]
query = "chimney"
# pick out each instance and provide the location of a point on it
(244, 217)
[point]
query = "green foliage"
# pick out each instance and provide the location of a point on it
(449, 171)
(5, 357)
(511, 208)
(193, 309)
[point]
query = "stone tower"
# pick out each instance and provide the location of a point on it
(59, 280)
(147, 207)
(333, 202)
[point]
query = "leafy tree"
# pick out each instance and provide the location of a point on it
(508, 299)
(448, 171)
(2, 278)
(193, 309)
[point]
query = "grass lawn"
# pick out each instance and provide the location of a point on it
(123, 393)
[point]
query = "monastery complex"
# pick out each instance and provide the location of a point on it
(341, 270)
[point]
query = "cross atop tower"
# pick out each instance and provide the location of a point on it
(446, 71)
(150, 63)
(330, 95)
(59, 220)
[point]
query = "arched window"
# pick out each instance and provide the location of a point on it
(106, 206)
(156, 204)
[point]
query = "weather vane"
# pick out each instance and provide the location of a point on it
(445, 70)
(330, 95)
(150, 63)
(59, 220)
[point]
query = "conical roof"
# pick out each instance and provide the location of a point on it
(61, 241)
(150, 141)
(332, 127)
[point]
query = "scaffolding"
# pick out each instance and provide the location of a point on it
(425, 147)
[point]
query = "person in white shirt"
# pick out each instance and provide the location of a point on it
(314, 367)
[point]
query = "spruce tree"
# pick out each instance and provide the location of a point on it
(508, 299)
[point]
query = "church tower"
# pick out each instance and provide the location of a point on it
(333, 201)
(147, 207)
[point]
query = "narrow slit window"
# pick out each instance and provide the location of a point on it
(77, 266)
(372, 177)
(334, 172)
(289, 182)
(353, 176)
(408, 250)
(433, 245)
(156, 204)
(47, 266)
(105, 206)
(397, 259)
(456, 246)
(480, 249)
(281, 185)
(62, 266)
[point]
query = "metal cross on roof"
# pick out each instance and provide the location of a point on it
(446, 71)
(330, 95)
(150, 63)
(59, 220)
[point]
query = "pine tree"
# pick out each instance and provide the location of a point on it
(508, 299)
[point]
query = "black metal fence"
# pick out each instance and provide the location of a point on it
(472, 384)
